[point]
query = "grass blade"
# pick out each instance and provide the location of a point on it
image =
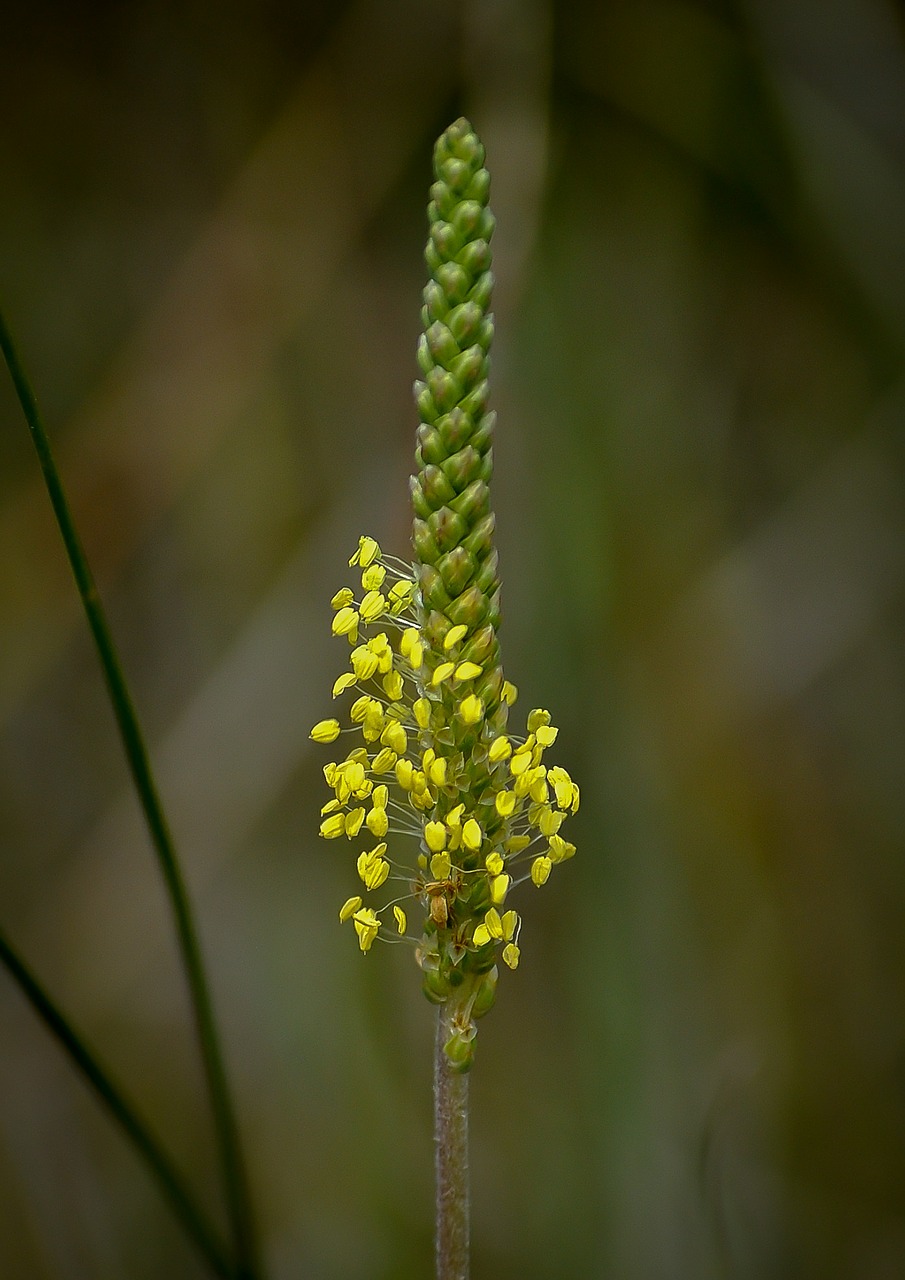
(234, 1177)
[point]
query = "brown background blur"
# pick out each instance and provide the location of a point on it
(211, 225)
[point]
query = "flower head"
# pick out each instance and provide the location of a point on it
(464, 810)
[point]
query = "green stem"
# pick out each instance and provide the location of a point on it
(168, 1179)
(451, 1136)
(235, 1182)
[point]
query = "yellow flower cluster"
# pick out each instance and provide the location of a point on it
(485, 816)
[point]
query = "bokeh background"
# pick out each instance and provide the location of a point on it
(211, 225)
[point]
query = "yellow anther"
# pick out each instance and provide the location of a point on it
(366, 926)
(384, 761)
(377, 822)
(440, 866)
(399, 915)
(368, 551)
(364, 662)
(494, 863)
(560, 849)
(345, 623)
(471, 709)
(472, 835)
(372, 578)
(392, 685)
(500, 748)
(508, 693)
(539, 791)
(540, 870)
(435, 836)
(440, 674)
(499, 887)
(550, 821)
(404, 772)
(546, 735)
(348, 909)
(453, 636)
(372, 606)
(467, 671)
(359, 708)
(345, 681)
(505, 803)
(511, 955)
(422, 709)
(354, 819)
(333, 826)
(325, 731)
(395, 736)
(343, 597)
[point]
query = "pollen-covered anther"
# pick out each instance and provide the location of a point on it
(345, 681)
(442, 672)
(373, 868)
(372, 606)
(472, 835)
(364, 662)
(471, 709)
(440, 866)
(540, 870)
(348, 909)
(368, 551)
(505, 803)
(453, 636)
(499, 887)
(345, 623)
(511, 955)
(373, 577)
(325, 731)
(353, 822)
(343, 597)
(367, 925)
(499, 927)
(435, 836)
(384, 761)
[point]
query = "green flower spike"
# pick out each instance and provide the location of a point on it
(434, 766)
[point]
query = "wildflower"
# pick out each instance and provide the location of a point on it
(433, 757)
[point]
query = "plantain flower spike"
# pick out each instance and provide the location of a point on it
(450, 812)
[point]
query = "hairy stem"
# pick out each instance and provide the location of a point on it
(451, 1135)
(235, 1183)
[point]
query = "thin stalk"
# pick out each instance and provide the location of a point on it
(170, 1182)
(232, 1165)
(451, 1136)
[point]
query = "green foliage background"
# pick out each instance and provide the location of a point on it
(211, 224)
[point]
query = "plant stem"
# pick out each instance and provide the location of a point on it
(234, 1178)
(124, 1112)
(451, 1136)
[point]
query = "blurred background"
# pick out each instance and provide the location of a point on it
(211, 227)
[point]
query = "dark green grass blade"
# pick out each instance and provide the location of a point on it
(124, 1113)
(235, 1181)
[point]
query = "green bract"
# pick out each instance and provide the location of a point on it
(433, 769)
